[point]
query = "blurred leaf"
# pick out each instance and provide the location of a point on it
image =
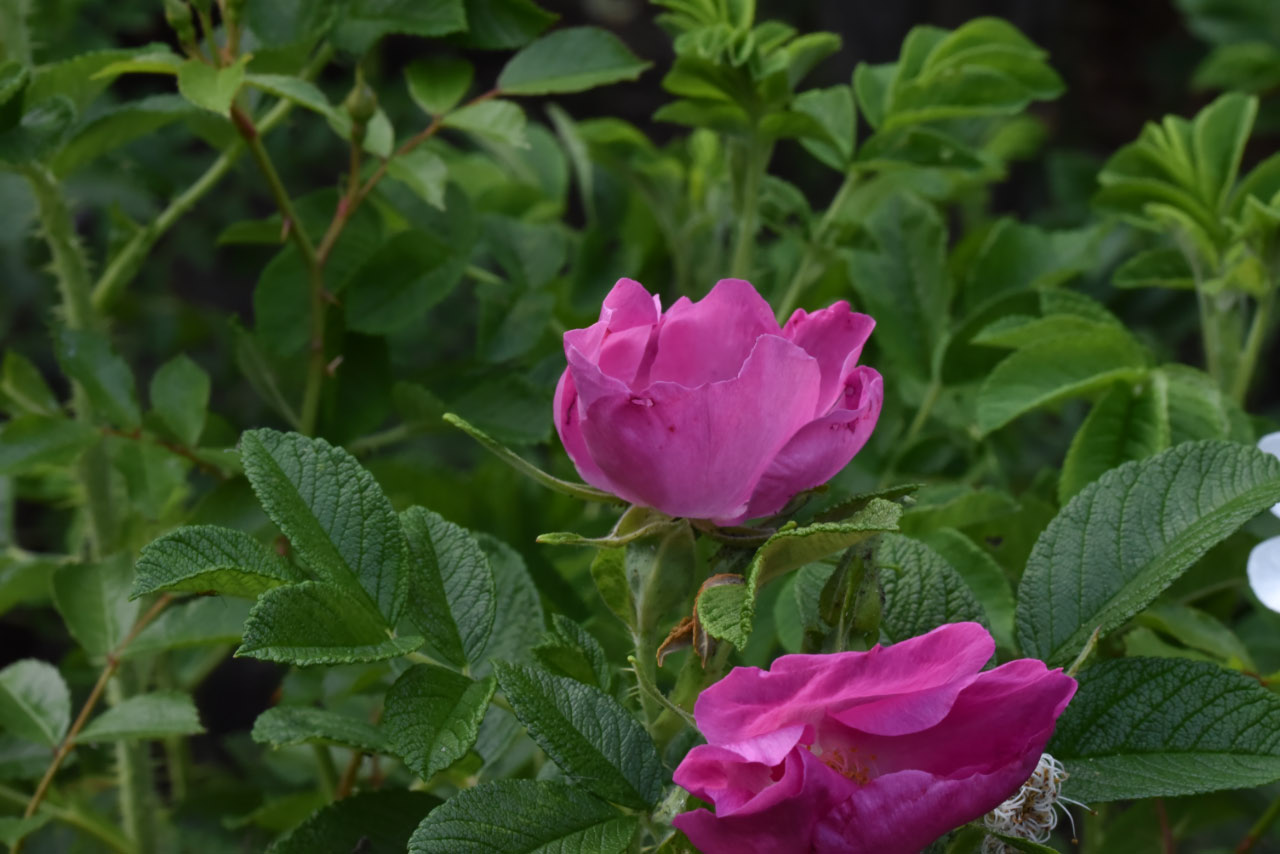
(93, 600)
(283, 726)
(1147, 727)
(294, 89)
(378, 822)
(438, 84)
(41, 129)
(501, 121)
(12, 828)
(318, 623)
(595, 741)
(1155, 268)
(34, 701)
(570, 650)
(333, 512)
(199, 622)
(213, 89)
(282, 295)
(1198, 630)
(982, 575)
(1127, 423)
(519, 816)
(569, 60)
(1125, 537)
(510, 408)
(504, 24)
(399, 283)
(87, 358)
(117, 126)
(1198, 409)
(144, 716)
(180, 396)
(22, 384)
(518, 618)
(30, 441)
(452, 597)
(365, 21)
(423, 172)
(833, 109)
(199, 558)
(1245, 67)
(433, 715)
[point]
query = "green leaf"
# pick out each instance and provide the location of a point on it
(1198, 630)
(40, 130)
(280, 298)
(904, 282)
(378, 822)
(500, 121)
(1198, 409)
(200, 622)
(833, 109)
(294, 89)
(982, 575)
(34, 701)
(1127, 423)
(117, 126)
(366, 21)
(594, 740)
(1155, 268)
(93, 601)
(180, 396)
(570, 650)
(160, 61)
(284, 726)
(87, 358)
(200, 558)
(504, 24)
(12, 828)
(22, 384)
(727, 611)
(1128, 535)
(569, 60)
(144, 716)
(511, 408)
(1155, 727)
(333, 512)
(1220, 133)
(213, 89)
(29, 441)
(1056, 369)
(1019, 844)
(517, 619)
(396, 286)
(524, 817)
(423, 172)
(520, 464)
(922, 591)
(318, 623)
(452, 597)
(437, 84)
(433, 715)
(955, 506)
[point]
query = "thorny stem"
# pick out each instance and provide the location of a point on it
(68, 741)
(126, 263)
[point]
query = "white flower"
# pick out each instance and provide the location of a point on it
(1264, 560)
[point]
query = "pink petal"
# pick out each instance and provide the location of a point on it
(708, 341)
(834, 336)
(617, 341)
(568, 415)
(823, 447)
(893, 690)
(779, 819)
(697, 453)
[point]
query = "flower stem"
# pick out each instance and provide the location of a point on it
(804, 270)
(757, 158)
(1258, 329)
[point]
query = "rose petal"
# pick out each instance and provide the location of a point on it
(821, 448)
(708, 341)
(835, 337)
(568, 415)
(1264, 572)
(892, 690)
(697, 452)
(628, 313)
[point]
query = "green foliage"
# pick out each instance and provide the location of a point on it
(433, 716)
(34, 701)
(922, 591)
(380, 822)
(1144, 727)
(145, 716)
(203, 558)
(569, 60)
(523, 816)
(1127, 536)
(283, 726)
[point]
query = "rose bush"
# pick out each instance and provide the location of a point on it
(880, 751)
(710, 410)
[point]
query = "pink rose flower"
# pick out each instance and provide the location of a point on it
(881, 751)
(709, 410)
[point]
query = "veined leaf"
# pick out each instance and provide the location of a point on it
(144, 716)
(1127, 423)
(524, 817)
(318, 623)
(569, 60)
(201, 558)
(1153, 727)
(922, 591)
(594, 740)
(433, 715)
(282, 726)
(1128, 535)
(378, 822)
(333, 512)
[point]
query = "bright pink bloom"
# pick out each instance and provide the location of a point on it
(881, 751)
(709, 410)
